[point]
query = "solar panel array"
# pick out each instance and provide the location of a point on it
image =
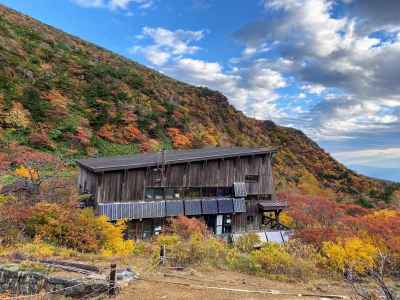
(170, 208)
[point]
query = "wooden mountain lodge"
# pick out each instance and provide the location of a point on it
(231, 189)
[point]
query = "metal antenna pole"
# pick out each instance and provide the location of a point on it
(163, 167)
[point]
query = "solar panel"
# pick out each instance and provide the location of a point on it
(132, 210)
(173, 208)
(239, 205)
(193, 207)
(274, 237)
(225, 206)
(210, 207)
(240, 189)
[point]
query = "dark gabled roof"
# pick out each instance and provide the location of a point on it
(171, 157)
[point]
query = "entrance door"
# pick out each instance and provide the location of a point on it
(211, 221)
(219, 225)
(227, 224)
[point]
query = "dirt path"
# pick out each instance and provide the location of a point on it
(207, 285)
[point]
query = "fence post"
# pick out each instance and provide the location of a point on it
(113, 273)
(162, 254)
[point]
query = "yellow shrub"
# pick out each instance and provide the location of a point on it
(194, 250)
(113, 238)
(38, 249)
(27, 173)
(274, 259)
(78, 229)
(169, 240)
(354, 253)
(211, 249)
(247, 242)
(286, 220)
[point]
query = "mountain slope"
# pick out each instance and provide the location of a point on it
(63, 95)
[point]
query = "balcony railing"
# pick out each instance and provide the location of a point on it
(160, 209)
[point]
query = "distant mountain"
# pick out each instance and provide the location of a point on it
(66, 96)
(391, 174)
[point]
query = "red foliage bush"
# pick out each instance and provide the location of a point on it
(187, 227)
(317, 220)
(179, 139)
(40, 138)
(133, 133)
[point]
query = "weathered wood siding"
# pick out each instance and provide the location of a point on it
(241, 223)
(87, 182)
(129, 185)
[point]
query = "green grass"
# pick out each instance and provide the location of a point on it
(106, 148)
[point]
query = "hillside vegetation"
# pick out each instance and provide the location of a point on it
(70, 98)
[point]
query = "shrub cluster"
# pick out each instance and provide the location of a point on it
(65, 226)
(187, 242)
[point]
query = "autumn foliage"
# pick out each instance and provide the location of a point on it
(187, 227)
(63, 225)
(342, 230)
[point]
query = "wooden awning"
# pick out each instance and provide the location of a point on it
(270, 205)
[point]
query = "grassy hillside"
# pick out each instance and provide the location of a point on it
(65, 96)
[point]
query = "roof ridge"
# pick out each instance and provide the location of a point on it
(141, 160)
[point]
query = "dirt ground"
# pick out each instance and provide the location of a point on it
(210, 284)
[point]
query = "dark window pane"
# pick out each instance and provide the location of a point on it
(158, 193)
(149, 194)
(251, 178)
(169, 193)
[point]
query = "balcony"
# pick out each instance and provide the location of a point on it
(170, 208)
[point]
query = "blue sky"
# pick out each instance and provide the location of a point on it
(330, 68)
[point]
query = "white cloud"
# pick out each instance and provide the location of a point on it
(155, 55)
(383, 157)
(316, 89)
(114, 4)
(178, 42)
(354, 73)
(250, 87)
(89, 3)
(165, 44)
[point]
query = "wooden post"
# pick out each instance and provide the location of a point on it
(162, 254)
(113, 273)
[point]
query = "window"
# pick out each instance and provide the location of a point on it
(251, 178)
(158, 193)
(154, 193)
(193, 192)
(148, 194)
(161, 193)
(169, 193)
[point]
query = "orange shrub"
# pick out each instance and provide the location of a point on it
(186, 227)
(67, 226)
(179, 139)
(151, 145)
